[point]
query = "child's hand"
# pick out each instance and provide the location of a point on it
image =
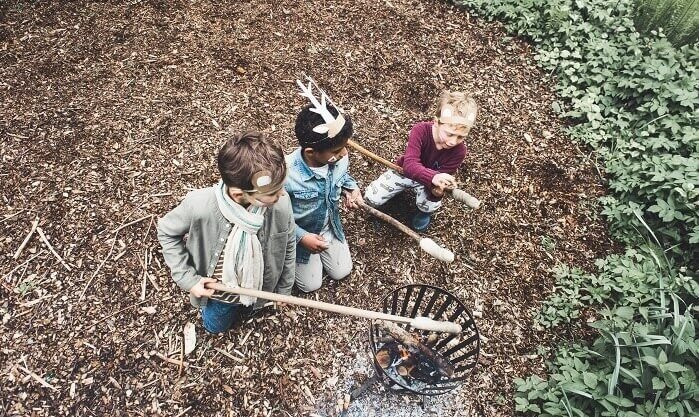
(199, 290)
(314, 243)
(444, 181)
(437, 192)
(352, 198)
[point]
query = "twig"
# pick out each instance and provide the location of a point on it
(39, 379)
(23, 263)
(8, 217)
(87, 285)
(33, 302)
(133, 222)
(170, 360)
(46, 241)
(145, 262)
(35, 223)
(143, 288)
(14, 135)
(120, 311)
(115, 383)
(184, 411)
(116, 232)
(179, 372)
(145, 273)
(152, 281)
(228, 355)
(150, 223)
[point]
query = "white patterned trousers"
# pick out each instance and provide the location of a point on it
(390, 183)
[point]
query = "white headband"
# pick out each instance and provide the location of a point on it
(447, 116)
(333, 125)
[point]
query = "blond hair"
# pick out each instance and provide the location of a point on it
(463, 105)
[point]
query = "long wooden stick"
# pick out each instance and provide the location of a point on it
(422, 323)
(364, 151)
(426, 244)
(390, 220)
(458, 194)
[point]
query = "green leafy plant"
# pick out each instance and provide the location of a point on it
(643, 364)
(629, 280)
(565, 302)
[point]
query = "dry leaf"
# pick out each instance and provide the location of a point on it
(190, 338)
(149, 309)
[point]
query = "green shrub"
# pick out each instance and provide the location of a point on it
(642, 364)
(644, 361)
(637, 279)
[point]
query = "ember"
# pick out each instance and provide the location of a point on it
(408, 363)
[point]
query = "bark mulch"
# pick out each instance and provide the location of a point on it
(111, 111)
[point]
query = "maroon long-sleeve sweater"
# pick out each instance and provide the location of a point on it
(422, 160)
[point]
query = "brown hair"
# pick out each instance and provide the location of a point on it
(245, 154)
(463, 104)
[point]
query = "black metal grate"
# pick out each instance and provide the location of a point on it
(460, 349)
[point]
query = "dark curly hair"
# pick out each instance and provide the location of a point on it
(307, 120)
(245, 154)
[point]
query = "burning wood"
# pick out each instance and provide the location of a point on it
(407, 339)
(410, 358)
(409, 364)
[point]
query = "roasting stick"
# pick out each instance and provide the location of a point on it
(426, 244)
(422, 323)
(458, 194)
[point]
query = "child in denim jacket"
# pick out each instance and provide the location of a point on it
(317, 177)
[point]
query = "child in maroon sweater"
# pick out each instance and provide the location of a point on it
(435, 151)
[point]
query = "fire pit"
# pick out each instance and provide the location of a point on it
(422, 362)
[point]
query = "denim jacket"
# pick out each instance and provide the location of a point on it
(312, 196)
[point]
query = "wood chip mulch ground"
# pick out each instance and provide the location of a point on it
(111, 111)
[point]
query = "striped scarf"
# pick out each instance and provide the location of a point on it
(242, 256)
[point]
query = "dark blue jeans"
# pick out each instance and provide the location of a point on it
(219, 317)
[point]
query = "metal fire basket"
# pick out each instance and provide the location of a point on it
(460, 350)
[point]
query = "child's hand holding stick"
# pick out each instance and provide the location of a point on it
(200, 290)
(352, 198)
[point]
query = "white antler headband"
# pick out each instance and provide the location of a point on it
(333, 125)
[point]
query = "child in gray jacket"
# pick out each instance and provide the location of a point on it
(240, 231)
